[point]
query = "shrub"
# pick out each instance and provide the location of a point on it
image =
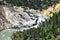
(35, 4)
(48, 30)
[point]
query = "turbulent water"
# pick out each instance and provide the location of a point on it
(7, 33)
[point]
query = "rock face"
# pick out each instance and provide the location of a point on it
(17, 17)
(4, 24)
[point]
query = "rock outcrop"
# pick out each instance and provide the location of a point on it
(18, 17)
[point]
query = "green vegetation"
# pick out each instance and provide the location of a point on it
(48, 30)
(35, 4)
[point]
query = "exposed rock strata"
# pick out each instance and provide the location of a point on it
(17, 17)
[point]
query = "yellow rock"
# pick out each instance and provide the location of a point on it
(57, 8)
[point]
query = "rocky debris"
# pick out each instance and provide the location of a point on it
(4, 24)
(17, 17)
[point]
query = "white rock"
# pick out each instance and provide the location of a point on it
(23, 20)
(16, 18)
